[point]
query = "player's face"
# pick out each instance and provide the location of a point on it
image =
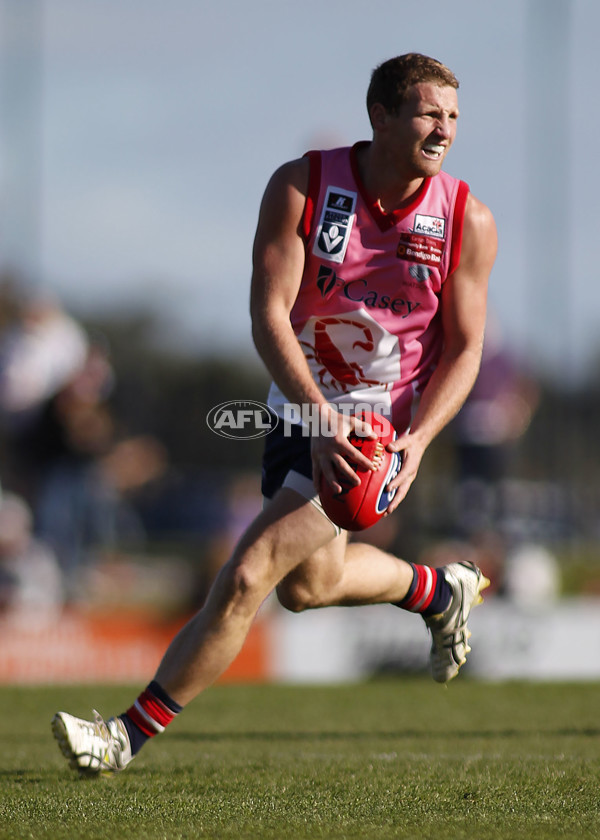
(424, 129)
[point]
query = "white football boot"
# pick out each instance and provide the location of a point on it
(449, 632)
(92, 747)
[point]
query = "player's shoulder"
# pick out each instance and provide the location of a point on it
(480, 237)
(478, 216)
(284, 200)
(292, 174)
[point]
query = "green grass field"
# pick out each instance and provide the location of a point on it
(399, 758)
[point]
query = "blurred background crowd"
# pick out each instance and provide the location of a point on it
(100, 463)
(115, 491)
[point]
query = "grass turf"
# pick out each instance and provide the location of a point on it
(398, 758)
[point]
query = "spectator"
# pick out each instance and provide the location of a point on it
(30, 578)
(496, 413)
(494, 417)
(39, 353)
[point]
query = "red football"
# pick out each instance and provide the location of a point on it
(359, 507)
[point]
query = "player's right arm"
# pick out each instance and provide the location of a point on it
(278, 265)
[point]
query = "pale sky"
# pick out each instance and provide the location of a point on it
(155, 127)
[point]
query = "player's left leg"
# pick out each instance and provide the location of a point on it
(365, 574)
(360, 574)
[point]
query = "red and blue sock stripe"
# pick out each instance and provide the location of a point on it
(151, 713)
(429, 592)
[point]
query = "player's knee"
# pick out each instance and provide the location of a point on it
(259, 561)
(295, 596)
(250, 580)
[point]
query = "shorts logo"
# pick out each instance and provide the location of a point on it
(335, 225)
(430, 226)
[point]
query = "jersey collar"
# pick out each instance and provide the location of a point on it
(384, 220)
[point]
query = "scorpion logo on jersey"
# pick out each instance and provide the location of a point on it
(350, 352)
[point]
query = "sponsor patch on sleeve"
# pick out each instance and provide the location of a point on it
(430, 226)
(420, 249)
(335, 224)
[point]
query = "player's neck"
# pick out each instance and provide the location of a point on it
(383, 182)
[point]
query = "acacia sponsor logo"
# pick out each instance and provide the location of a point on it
(430, 225)
(242, 419)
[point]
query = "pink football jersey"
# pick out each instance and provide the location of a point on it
(367, 312)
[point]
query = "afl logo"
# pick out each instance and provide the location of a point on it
(242, 420)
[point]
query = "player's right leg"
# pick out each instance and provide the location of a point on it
(287, 531)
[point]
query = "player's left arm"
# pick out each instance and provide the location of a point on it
(463, 312)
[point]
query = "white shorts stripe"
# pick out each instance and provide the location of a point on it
(305, 487)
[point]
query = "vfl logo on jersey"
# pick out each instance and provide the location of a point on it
(335, 225)
(430, 226)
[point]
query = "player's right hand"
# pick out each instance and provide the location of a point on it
(331, 450)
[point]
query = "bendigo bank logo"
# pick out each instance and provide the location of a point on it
(424, 244)
(242, 419)
(425, 250)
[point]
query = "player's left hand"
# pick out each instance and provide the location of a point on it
(412, 450)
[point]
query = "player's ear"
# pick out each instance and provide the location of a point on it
(378, 116)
